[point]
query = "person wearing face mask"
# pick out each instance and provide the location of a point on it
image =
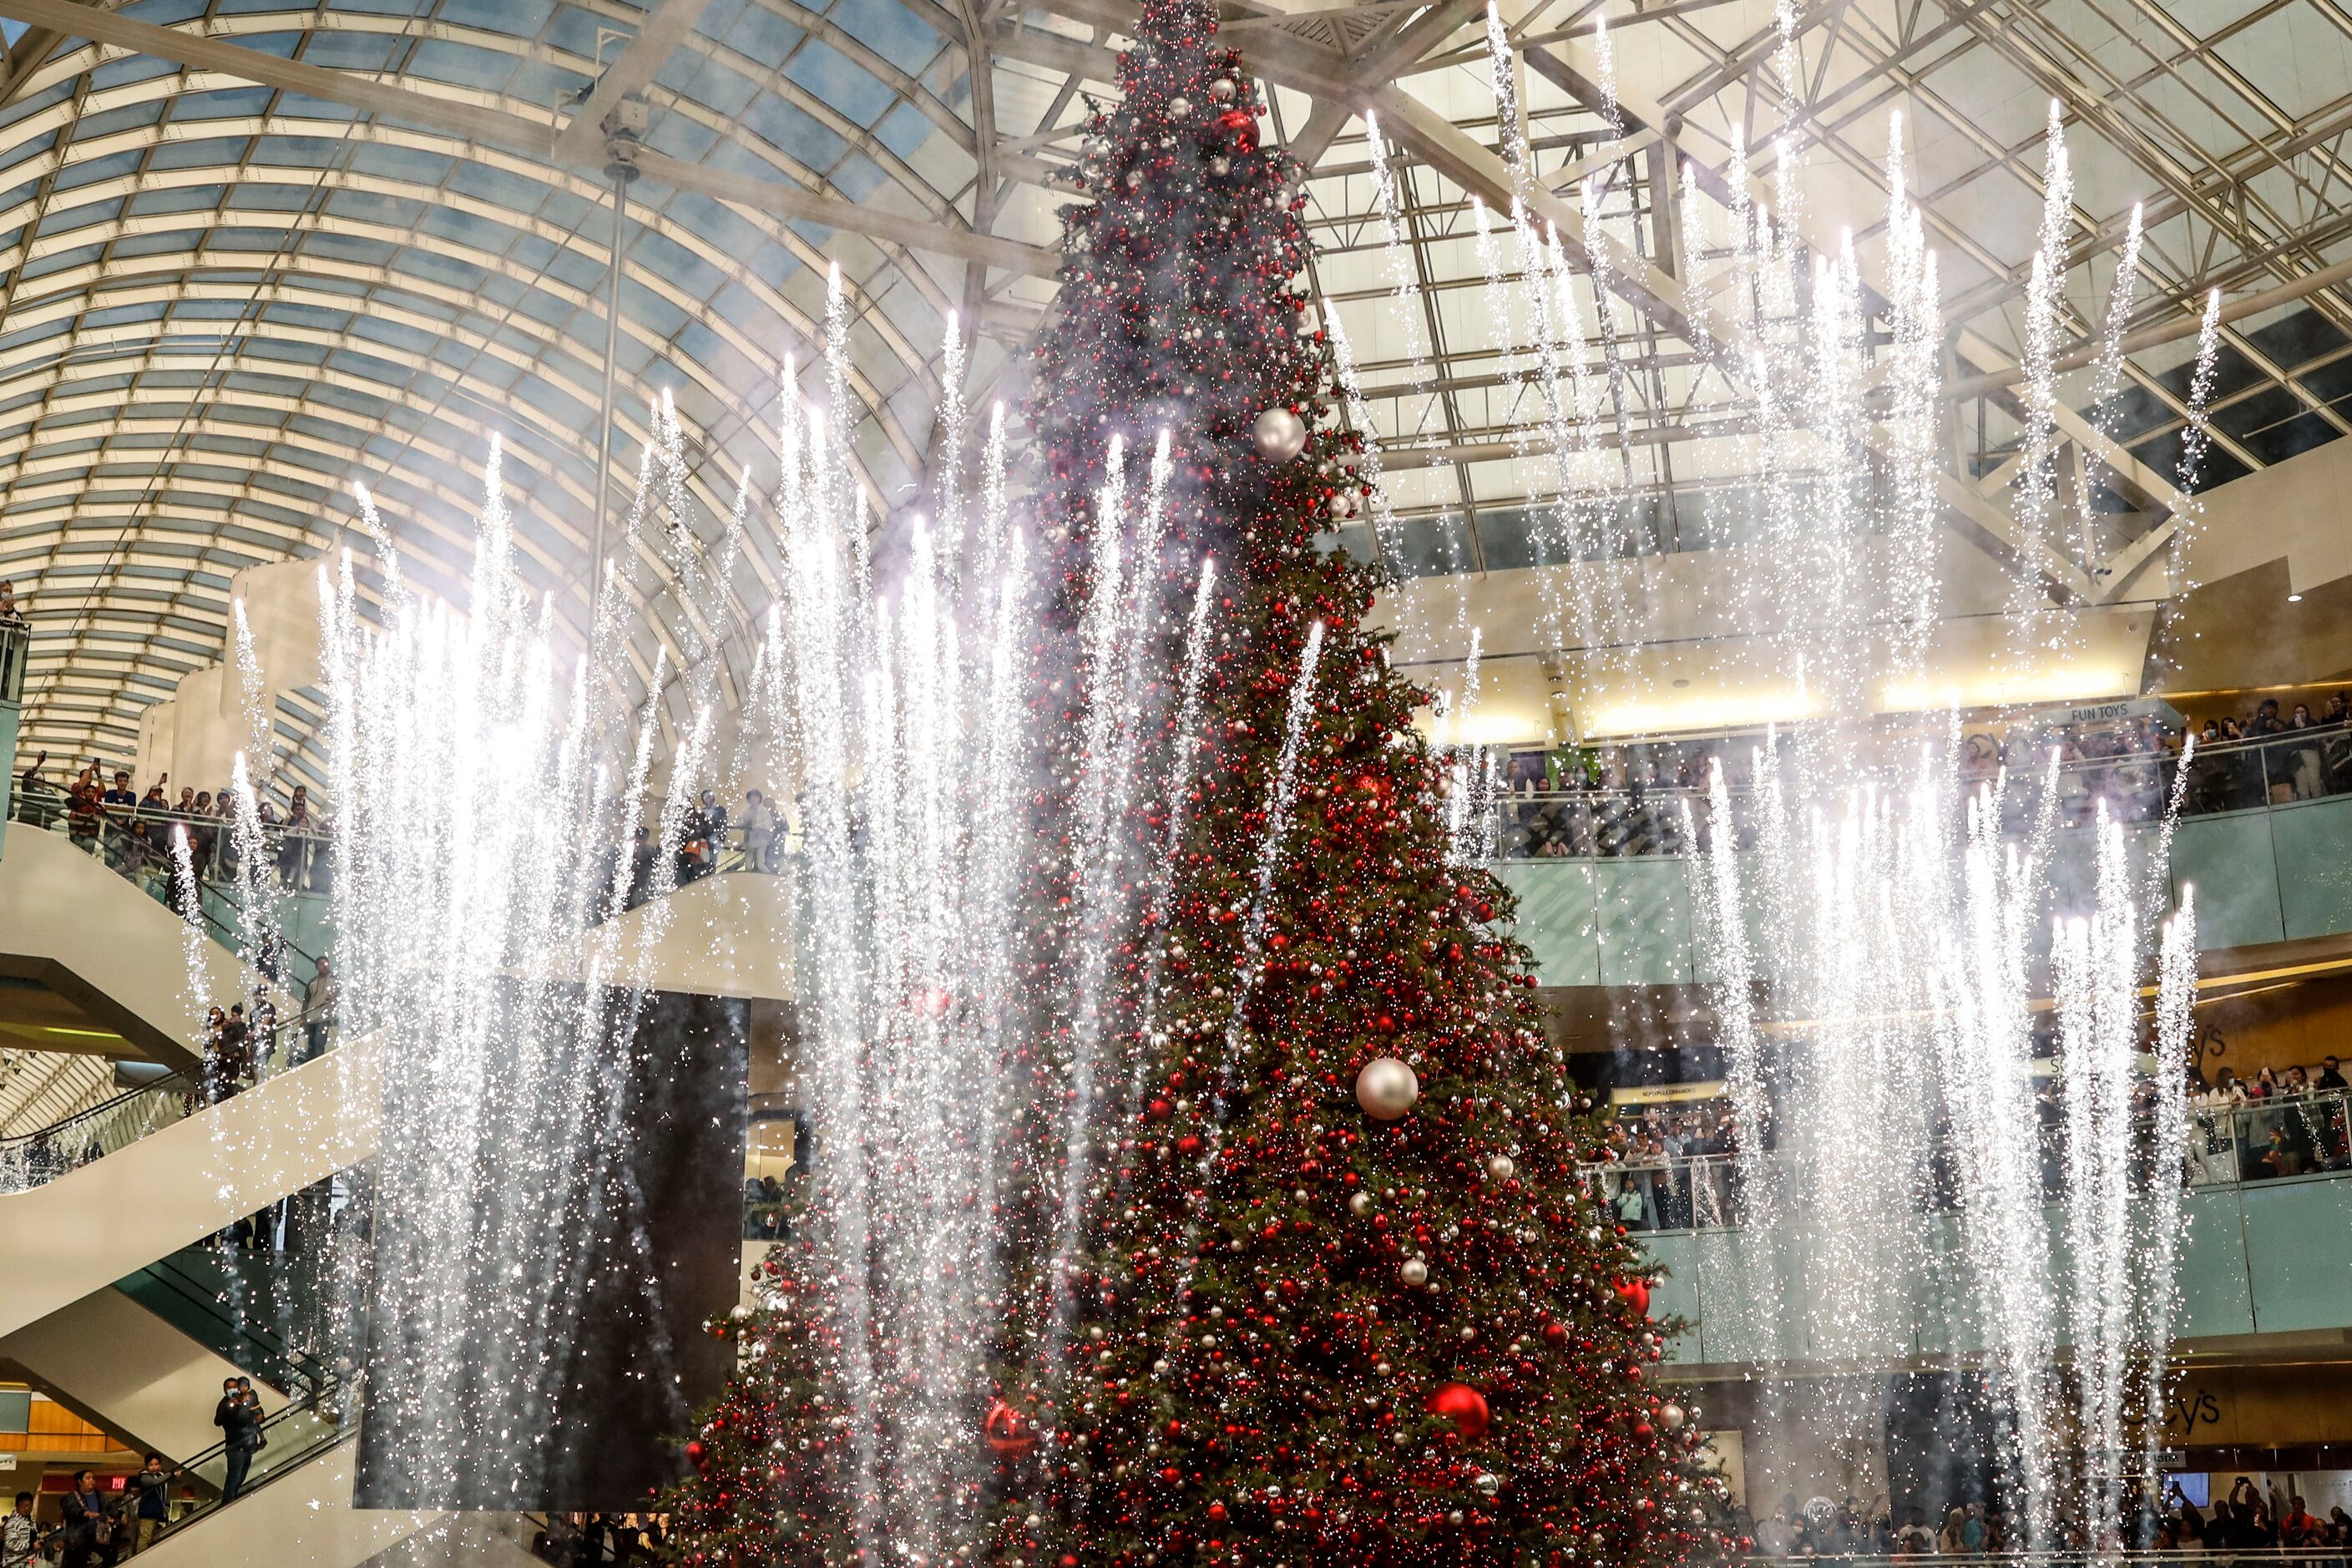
(12, 643)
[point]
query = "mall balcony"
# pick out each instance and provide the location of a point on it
(171, 1238)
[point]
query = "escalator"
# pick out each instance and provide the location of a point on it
(73, 927)
(167, 1173)
(145, 1360)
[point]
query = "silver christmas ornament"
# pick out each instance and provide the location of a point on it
(1220, 164)
(1179, 106)
(1489, 1484)
(1673, 1416)
(1414, 1273)
(1500, 1167)
(1221, 90)
(1386, 1089)
(1279, 435)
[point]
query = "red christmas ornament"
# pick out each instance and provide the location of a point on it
(1462, 1404)
(1241, 125)
(1635, 1293)
(1007, 1430)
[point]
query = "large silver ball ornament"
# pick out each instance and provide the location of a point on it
(1279, 435)
(1500, 1168)
(1178, 107)
(1220, 165)
(1673, 1416)
(1488, 1483)
(1414, 1273)
(1221, 90)
(1386, 1089)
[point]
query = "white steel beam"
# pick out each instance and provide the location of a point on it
(514, 132)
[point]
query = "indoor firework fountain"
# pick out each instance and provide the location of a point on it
(1878, 928)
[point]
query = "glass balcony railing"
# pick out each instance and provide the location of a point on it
(1616, 821)
(136, 844)
(2256, 1140)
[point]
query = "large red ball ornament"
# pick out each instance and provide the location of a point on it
(1462, 1404)
(1635, 1293)
(1007, 1430)
(1241, 125)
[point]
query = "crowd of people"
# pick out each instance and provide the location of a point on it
(583, 1540)
(755, 835)
(2288, 1121)
(100, 1525)
(96, 1524)
(2248, 1519)
(1677, 1170)
(244, 1043)
(1638, 798)
(2274, 755)
(105, 814)
(1676, 1167)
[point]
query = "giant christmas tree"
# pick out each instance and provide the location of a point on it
(1337, 1295)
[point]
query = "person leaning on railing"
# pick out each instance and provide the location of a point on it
(13, 643)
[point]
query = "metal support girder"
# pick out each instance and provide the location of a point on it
(646, 53)
(498, 127)
(1381, 61)
(1567, 67)
(1324, 123)
(1476, 168)
(2184, 326)
(875, 223)
(1960, 497)
(2149, 488)
(1437, 141)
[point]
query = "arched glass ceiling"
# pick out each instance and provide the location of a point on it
(222, 303)
(274, 249)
